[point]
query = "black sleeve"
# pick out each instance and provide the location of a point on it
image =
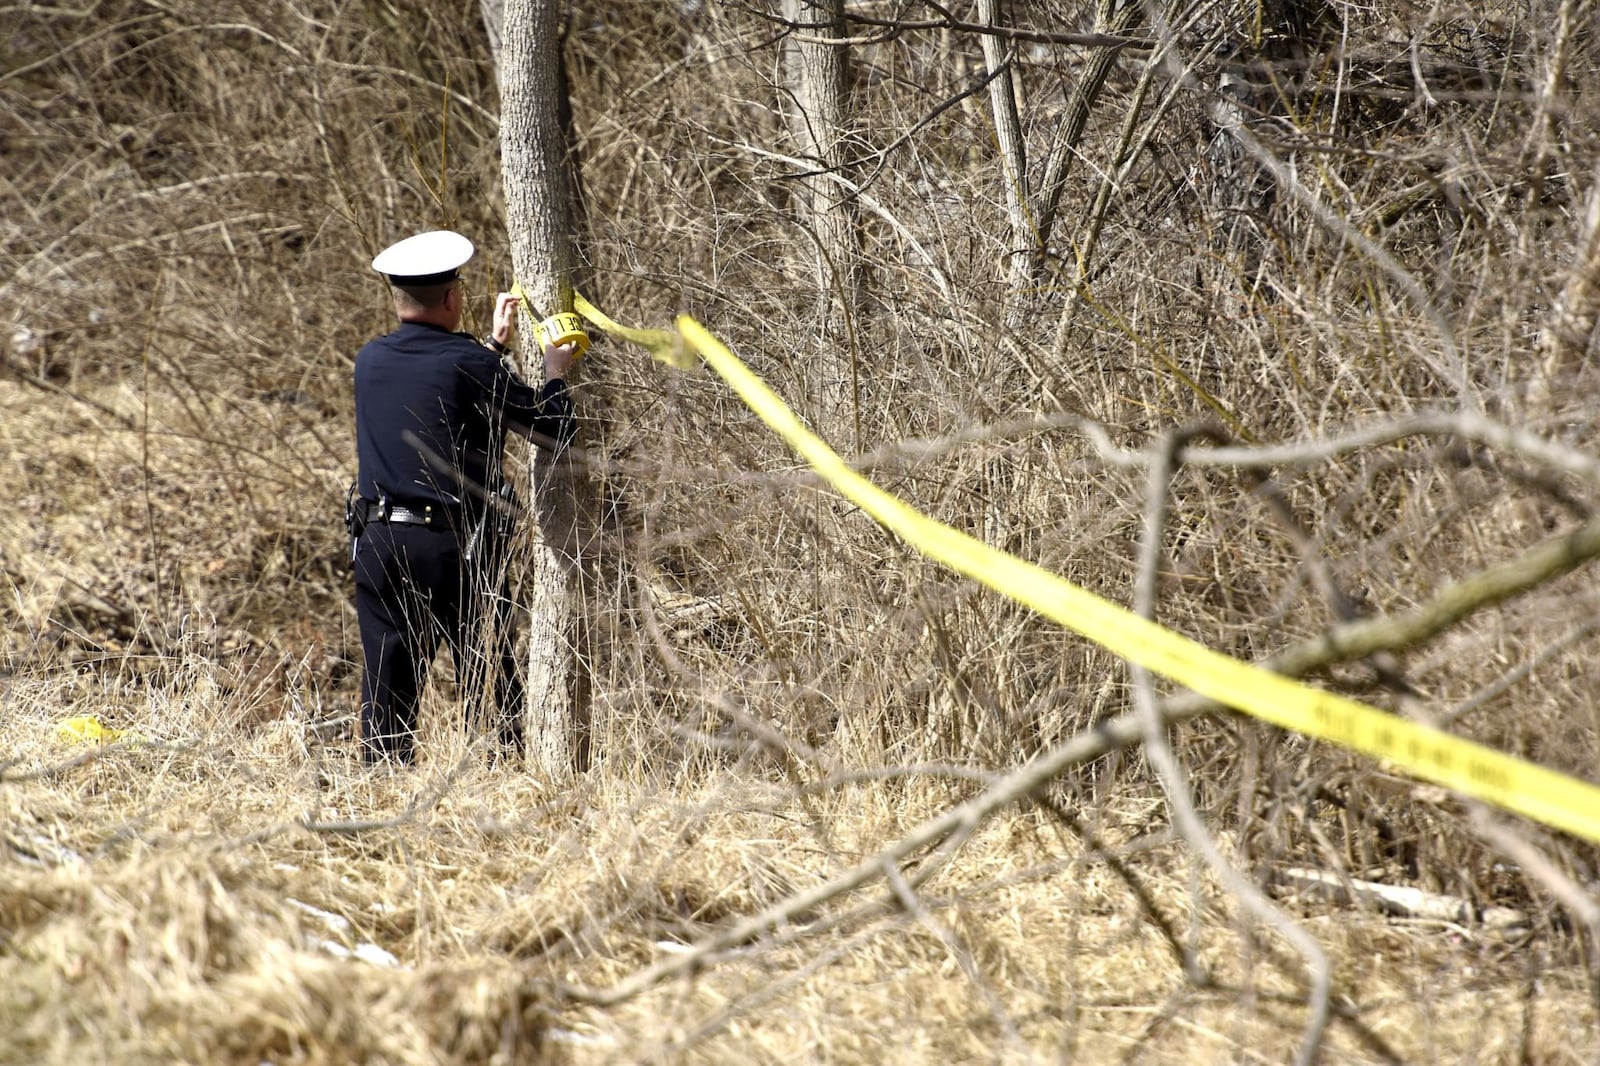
(553, 416)
(521, 410)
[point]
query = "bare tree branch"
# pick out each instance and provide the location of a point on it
(1174, 783)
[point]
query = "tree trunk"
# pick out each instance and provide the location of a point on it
(818, 79)
(537, 171)
(1109, 18)
(1242, 195)
(1569, 330)
(1013, 164)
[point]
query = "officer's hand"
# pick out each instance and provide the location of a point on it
(558, 359)
(505, 317)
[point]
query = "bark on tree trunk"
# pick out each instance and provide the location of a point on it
(1014, 164)
(537, 172)
(1242, 195)
(1109, 18)
(1569, 330)
(818, 78)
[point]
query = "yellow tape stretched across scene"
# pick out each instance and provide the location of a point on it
(1430, 754)
(664, 345)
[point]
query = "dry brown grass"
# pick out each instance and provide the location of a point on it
(171, 903)
(191, 194)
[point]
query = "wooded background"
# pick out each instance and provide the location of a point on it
(996, 253)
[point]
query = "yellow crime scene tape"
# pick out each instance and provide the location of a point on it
(88, 729)
(1467, 767)
(664, 345)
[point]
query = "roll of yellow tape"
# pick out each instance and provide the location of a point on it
(565, 328)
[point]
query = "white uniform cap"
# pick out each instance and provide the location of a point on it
(430, 258)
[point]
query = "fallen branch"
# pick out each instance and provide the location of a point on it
(1400, 901)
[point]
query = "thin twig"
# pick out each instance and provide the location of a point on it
(909, 900)
(1170, 772)
(1512, 678)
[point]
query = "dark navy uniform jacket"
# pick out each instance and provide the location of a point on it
(432, 412)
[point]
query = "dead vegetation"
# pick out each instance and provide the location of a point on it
(782, 691)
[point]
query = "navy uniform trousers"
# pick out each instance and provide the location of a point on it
(414, 588)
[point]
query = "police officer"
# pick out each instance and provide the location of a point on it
(432, 410)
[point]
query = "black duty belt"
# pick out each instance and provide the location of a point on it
(360, 512)
(425, 517)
